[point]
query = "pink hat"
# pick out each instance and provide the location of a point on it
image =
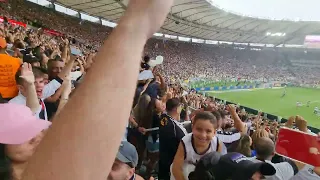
(18, 125)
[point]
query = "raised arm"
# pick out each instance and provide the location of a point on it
(84, 139)
(27, 75)
(67, 68)
(238, 124)
(66, 90)
(177, 165)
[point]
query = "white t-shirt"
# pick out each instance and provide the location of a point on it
(306, 173)
(284, 171)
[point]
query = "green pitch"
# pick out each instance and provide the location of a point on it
(270, 101)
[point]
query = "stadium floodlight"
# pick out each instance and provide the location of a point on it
(237, 43)
(294, 45)
(170, 36)
(279, 34)
(211, 42)
(108, 23)
(184, 39)
(41, 2)
(225, 42)
(269, 45)
(158, 34)
(197, 40)
(257, 44)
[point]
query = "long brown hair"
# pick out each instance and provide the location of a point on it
(149, 112)
(244, 146)
(144, 111)
(139, 110)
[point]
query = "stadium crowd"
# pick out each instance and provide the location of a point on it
(172, 131)
(208, 61)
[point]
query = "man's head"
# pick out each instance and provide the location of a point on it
(39, 82)
(123, 167)
(55, 66)
(218, 117)
(265, 148)
(174, 107)
(223, 118)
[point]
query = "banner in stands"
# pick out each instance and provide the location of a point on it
(16, 23)
(52, 32)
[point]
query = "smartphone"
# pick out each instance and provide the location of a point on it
(299, 146)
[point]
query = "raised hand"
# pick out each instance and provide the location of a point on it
(301, 123)
(67, 87)
(26, 73)
(151, 13)
(231, 108)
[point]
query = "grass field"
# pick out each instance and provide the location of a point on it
(270, 101)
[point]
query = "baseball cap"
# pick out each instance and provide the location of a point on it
(128, 154)
(234, 166)
(204, 167)
(29, 58)
(241, 167)
(3, 43)
(18, 124)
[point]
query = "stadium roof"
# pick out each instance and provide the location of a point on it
(202, 20)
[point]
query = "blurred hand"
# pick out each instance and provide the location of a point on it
(231, 108)
(67, 87)
(142, 130)
(27, 74)
(301, 123)
(149, 13)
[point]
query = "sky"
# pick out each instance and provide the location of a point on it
(305, 10)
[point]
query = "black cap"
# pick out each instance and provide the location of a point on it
(234, 166)
(30, 58)
(204, 167)
(238, 167)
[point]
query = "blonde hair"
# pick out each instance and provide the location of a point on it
(244, 146)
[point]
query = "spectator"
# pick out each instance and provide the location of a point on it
(42, 91)
(193, 146)
(244, 145)
(20, 134)
(8, 67)
(265, 150)
(234, 166)
(170, 134)
(123, 167)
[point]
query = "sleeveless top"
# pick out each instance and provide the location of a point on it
(191, 156)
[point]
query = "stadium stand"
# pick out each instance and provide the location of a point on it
(55, 77)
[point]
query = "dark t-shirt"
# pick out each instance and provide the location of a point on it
(145, 66)
(170, 135)
(51, 108)
(153, 90)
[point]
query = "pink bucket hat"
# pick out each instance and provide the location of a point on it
(18, 125)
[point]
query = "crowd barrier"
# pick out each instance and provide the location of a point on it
(269, 116)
